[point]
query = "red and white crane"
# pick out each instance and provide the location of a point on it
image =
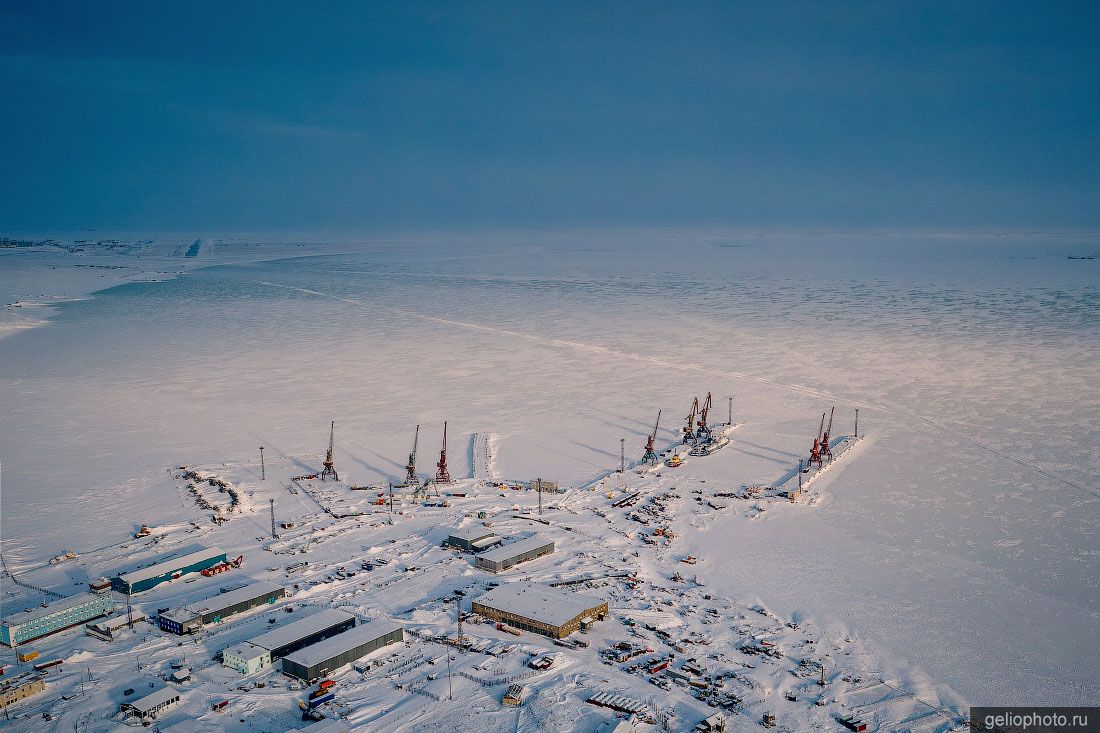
(826, 451)
(815, 452)
(442, 476)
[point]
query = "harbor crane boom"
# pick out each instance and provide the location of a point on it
(703, 432)
(826, 450)
(650, 455)
(815, 452)
(329, 470)
(410, 468)
(689, 428)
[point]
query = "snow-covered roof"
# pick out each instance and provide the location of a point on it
(470, 534)
(506, 552)
(551, 606)
(114, 623)
(167, 566)
(150, 701)
(223, 600)
(31, 614)
(246, 650)
(488, 541)
(336, 645)
(303, 627)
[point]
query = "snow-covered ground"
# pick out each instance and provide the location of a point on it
(956, 545)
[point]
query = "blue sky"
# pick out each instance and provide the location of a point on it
(368, 116)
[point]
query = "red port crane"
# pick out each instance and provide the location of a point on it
(650, 456)
(815, 452)
(442, 476)
(689, 428)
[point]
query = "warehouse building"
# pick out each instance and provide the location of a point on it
(217, 608)
(20, 688)
(539, 608)
(34, 623)
(318, 660)
(473, 539)
(150, 706)
(504, 557)
(261, 651)
(154, 575)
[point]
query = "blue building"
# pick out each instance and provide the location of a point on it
(34, 623)
(176, 567)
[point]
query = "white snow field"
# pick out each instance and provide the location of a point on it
(951, 555)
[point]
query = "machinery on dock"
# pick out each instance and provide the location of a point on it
(329, 471)
(410, 467)
(689, 428)
(442, 475)
(826, 451)
(650, 456)
(702, 431)
(815, 451)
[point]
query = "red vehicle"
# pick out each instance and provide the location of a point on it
(325, 684)
(220, 706)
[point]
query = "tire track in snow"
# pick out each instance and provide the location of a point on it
(696, 368)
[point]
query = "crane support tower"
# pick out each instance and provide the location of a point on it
(329, 471)
(410, 468)
(702, 432)
(826, 451)
(442, 475)
(689, 428)
(815, 452)
(650, 456)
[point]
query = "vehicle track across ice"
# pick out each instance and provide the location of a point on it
(603, 350)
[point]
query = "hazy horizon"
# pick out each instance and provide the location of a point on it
(484, 116)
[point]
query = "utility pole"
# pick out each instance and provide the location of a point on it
(538, 481)
(391, 497)
(449, 697)
(622, 455)
(857, 422)
(129, 609)
(730, 423)
(263, 473)
(274, 534)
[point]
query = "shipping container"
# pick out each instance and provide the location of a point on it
(318, 701)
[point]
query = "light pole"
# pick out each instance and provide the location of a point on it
(622, 455)
(263, 472)
(730, 423)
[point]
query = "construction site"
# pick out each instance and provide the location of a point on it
(438, 600)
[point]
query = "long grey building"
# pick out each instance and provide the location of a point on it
(263, 650)
(504, 557)
(317, 660)
(228, 603)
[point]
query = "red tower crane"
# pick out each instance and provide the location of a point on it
(826, 451)
(689, 428)
(442, 476)
(650, 455)
(329, 470)
(815, 452)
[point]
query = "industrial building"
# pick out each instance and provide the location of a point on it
(473, 539)
(170, 569)
(108, 626)
(34, 623)
(150, 706)
(261, 651)
(212, 610)
(539, 608)
(504, 557)
(20, 688)
(318, 660)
